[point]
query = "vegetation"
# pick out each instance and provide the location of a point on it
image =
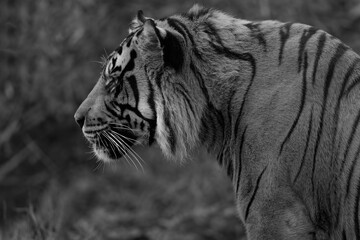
(50, 186)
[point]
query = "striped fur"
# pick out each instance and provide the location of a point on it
(276, 103)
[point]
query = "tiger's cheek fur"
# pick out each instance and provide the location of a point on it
(177, 128)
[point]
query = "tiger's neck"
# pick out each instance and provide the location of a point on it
(226, 82)
(216, 89)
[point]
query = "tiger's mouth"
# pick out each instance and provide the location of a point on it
(110, 143)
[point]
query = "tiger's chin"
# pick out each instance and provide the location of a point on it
(105, 155)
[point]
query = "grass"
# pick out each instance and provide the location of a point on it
(48, 186)
(166, 201)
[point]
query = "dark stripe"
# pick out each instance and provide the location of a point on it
(284, 36)
(353, 164)
(301, 108)
(208, 126)
(218, 115)
(340, 96)
(158, 34)
(303, 40)
(151, 102)
(139, 32)
(226, 140)
(221, 154)
(306, 146)
(171, 136)
(166, 115)
(184, 31)
(254, 193)
(112, 111)
(185, 96)
(212, 132)
(337, 152)
(240, 158)
(129, 66)
(256, 33)
(119, 50)
(343, 234)
(201, 81)
(356, 211)
(353, 84)
(204, 130)
(237, 122)
(219, 47)
(229, 104)
(225, 145)
(126, 95)
(210, 114)
(124, 107)
(344, 84)
(350, 139)
(341, 49)
(129, 40)
(173, 54)
(114, 67)
(230, 169)
(174, 24)
(133, 84)
(320, 48)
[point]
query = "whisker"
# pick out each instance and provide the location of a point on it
(103, 134)
(129, 150)
(118, 144)
(135, 131)
(113, 143)
(100, 141)
(99, 62)
(133, 153)
(121, 125)
(130, 139)
(106, 54)
(121, 148)
(99, 165)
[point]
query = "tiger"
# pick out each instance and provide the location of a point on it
(276, 104)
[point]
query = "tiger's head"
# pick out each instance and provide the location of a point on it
(127, 105)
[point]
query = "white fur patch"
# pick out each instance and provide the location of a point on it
(102, 155)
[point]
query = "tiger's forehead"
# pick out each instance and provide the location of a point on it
(118, 59)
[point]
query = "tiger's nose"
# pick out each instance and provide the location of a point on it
(80, 119)
(80, 115)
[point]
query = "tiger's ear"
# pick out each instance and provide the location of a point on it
(163, 42)
(137, 22)
(152, 33)
(173, 52)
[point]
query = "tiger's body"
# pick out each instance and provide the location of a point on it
(277, 104)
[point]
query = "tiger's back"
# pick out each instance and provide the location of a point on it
(276, 103)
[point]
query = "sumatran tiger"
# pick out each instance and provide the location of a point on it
(278, 105)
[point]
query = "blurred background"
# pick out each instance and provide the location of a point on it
(51, 187)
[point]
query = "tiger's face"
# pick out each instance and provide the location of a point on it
(138, 92)
(120, 111)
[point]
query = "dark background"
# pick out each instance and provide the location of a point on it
(51, 186)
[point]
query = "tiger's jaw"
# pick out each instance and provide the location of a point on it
(110, 144)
